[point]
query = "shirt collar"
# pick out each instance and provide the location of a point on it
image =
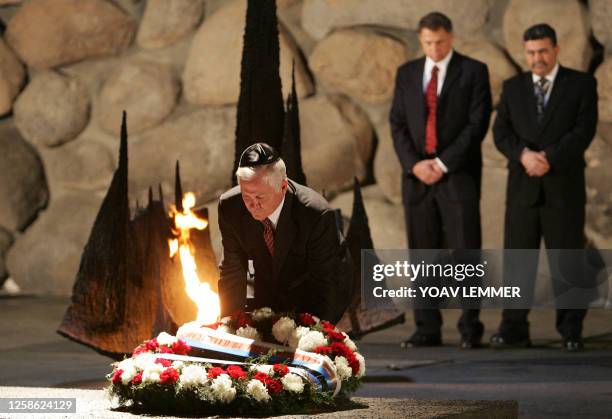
(276, 214)
(442, 64)
(550, 76)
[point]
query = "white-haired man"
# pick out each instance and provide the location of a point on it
(288, 234)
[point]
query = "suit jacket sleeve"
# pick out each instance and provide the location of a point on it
(455, 155)
(323, 259)
(402, 140)
(570, 148)
(232, 280)
(504, 135)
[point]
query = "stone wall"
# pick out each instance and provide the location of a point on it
(68, 68)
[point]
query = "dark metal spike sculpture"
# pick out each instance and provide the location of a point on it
(150, 196)
(178, 188)
(161, 195)
(356, 321)
(260, 110)
(292, 148)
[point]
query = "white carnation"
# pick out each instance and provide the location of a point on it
(262, 314)
(297, 334)
(349, 343)
(265, 368)
(143, 360)
(129, 370)
(223, 388)
(225, 328)
(177, 365)
(165, 339)
(193, 375)
(258, 390)
(362, 366)
(248, 332)
(283, 329)
(312, 340)
(343, 367)
(151, 373)
(293, 382)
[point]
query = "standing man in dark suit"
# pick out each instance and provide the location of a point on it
(439, 117)
(545, 121)
(288, 234)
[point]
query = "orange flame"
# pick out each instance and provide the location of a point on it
(202, 295)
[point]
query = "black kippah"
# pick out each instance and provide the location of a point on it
(258, 154)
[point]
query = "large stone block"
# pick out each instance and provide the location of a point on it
(49, 33)
(45, 259)
(604, 90)
(333, 143)
(52, 110)
(12, 76)
(359, 63)
(212, 70)
(568, 17)
(23, 188)
(203, 142)
(387, 167)
(600, 12)
(147, 91)
(166, 21)
(319, 17)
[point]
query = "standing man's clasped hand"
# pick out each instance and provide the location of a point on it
(428, 171)
(535, 162)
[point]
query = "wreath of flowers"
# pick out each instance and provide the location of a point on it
(149, 382)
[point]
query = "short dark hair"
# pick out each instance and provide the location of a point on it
(540, 31)
(434, 21)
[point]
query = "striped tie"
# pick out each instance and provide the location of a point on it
(268, 235)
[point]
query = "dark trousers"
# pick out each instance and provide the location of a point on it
(561, 228)
(438, 223)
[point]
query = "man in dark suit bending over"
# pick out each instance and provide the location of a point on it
(439, 117)
(545, 121)
(288, 234)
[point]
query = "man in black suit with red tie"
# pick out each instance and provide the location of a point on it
(546, 120)
(439, 117)
(288, 235)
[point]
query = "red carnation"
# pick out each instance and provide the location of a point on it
(261, 376)
(117, 376)
(323, 350)
(137, 379)
(340, 348)
(214, 372)
(242, 319)
(165, 362)
(165, 349)
(281, 369)
(353, 362)
(306, 319)
(335, 335)
(274, 386)
(327, 325)
(169, 376)
(236, 372)
(180, 347)
(151, 345)
(140, 349)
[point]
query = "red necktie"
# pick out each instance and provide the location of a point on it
(431, 102)
(268, 235)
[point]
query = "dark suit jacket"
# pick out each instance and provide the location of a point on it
(462, 118)
(567, 129)
(310, 272)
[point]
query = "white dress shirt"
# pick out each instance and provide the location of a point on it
(276, 214)
(550, 77)
(442, 67)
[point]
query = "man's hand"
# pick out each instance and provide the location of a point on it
(535, 162)
(428, 171)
